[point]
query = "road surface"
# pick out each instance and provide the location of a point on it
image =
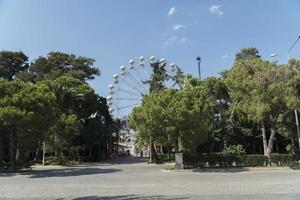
(134, 179)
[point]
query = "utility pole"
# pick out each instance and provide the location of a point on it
(199, 69)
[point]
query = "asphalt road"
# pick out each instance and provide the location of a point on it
(134, 179)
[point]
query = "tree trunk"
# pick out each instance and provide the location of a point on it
(12, 149)
(153, 152)
(55, 145)
(44, 152)
(37, 151)
(253, 139)
(17, 154)
(292, 145)
(90, 152)
(1, 146)
(176, 145)
(264, 137)
(271, 142)
(180, 147)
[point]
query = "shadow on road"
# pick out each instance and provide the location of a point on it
(65, 172)
(130, 197)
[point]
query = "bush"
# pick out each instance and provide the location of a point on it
(3, 165)
(235, 150)
(162, 158)
(253, 160)
(227, 160)
(66, 160)
(282, 159)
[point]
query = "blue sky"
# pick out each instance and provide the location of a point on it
(115, 31)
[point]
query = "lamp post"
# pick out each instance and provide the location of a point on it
(199, 69)
(296, 113)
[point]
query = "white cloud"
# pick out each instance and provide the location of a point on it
(177, 27)
(169, 41)
(173, 40)
(225, 56)
(172, 11)
(184, 39)
(216, 9)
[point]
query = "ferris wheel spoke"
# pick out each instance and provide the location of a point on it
(127, 106)
(129, 92)
(135, 80)
(143, 82)
(138, 75)
(128, 99)
(132, 86)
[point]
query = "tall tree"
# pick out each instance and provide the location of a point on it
(12, 63)
(158, 77)
(24, 108)
(259, 88)
(57, 64)
(178, 118)
(246, 54)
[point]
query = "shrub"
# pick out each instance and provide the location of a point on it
(65, 160)
(235, 150)
(225, 160)
(253, 160)
(162, 158)
(282, 159)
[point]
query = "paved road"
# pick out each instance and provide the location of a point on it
(133, 179)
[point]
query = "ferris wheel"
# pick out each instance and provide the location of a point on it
(130, 85)
(128, 88)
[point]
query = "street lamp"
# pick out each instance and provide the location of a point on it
(289, 50)
(199, 69)
(296, 113)
(298, 38)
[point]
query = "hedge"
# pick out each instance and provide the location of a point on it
(223, 160)
(66, 160)
(162, 158)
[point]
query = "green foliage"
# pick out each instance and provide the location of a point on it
(58, 64)
(12, 63)
(234, 150)
(26, 105)
(222, 160)
(164, 158)
(282, 159)
(158, 77)
(169, 115)
(247, 53)
(65, 160)
(226, 160)
(49, 101)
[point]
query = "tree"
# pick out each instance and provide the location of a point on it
(246, 54)
(219, 98)
(12, 63)
(260, 89)
(158, 77)
(76, 102)
(177, 118)
(24, 108)
(57, 64)
(54, 104)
